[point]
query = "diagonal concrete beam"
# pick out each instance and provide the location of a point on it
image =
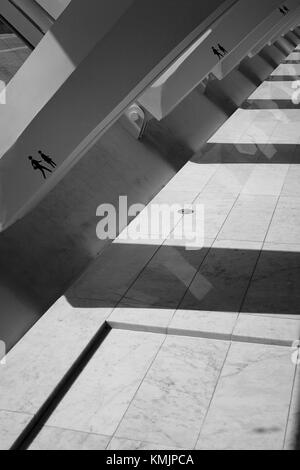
(231, 61)
(190, 70)
(93, 88)
(275, 29)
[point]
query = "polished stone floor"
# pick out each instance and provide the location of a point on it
(199, 355)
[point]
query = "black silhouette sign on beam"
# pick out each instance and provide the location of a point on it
(284, 10)
(219, 51)
(47, 159)
(39, 164)
(222, 49)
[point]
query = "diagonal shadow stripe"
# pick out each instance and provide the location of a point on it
(283, 78)
(270, 104)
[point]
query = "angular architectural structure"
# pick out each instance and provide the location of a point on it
(161, 331)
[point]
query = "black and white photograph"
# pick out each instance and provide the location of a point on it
(150, 228)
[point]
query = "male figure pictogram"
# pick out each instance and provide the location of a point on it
(47, 159)
(222, 49)
(217, 53)
(36, 164)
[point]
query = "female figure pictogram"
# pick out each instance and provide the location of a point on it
(36, 164)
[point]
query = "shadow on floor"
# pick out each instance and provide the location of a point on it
(209, 279)
(270, 104)
(283, 78)
(248, 153)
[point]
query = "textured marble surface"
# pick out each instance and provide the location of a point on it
(150, 319)
(267, 330)
(216, 210)
(293, 56)
(228, 180)
(273, 91)
(275, 286)
(172, 401)
(251, 403)
(291, 186)
(41, 359)
(203, 324)
(249, 219)
(110, 276)
(128, 444)
(287, 70)
(165, 279)
(11, 426)
(292, 440)
(65, 439)
(223, 278)
(198, 176)
(107, 385)
(285, 226)
(266, 180)
(259, 132)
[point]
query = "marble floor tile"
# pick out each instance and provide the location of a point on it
(275, 286)
(165, 279)
(203, 324)
(293, 56)
(266, 180)
(291, 186)
(147, 319)
(175, 196)
(273, 91)
(172, 401)
(64, 439)
(128, 444)
(155, 223)
(277, 153)
(222, 280)
(228, 180)
(278, 116)
(287, 70)
(249, 219)
(267, 330)
(216, 210)
(231, 157)
(285, 226)
(234, 127)
(261, 130)
(107, 385)
(193, 176)
(11, 426)
(113, 272)
(250, 407)
(285, 134)
(292, 440)
(37, 364)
